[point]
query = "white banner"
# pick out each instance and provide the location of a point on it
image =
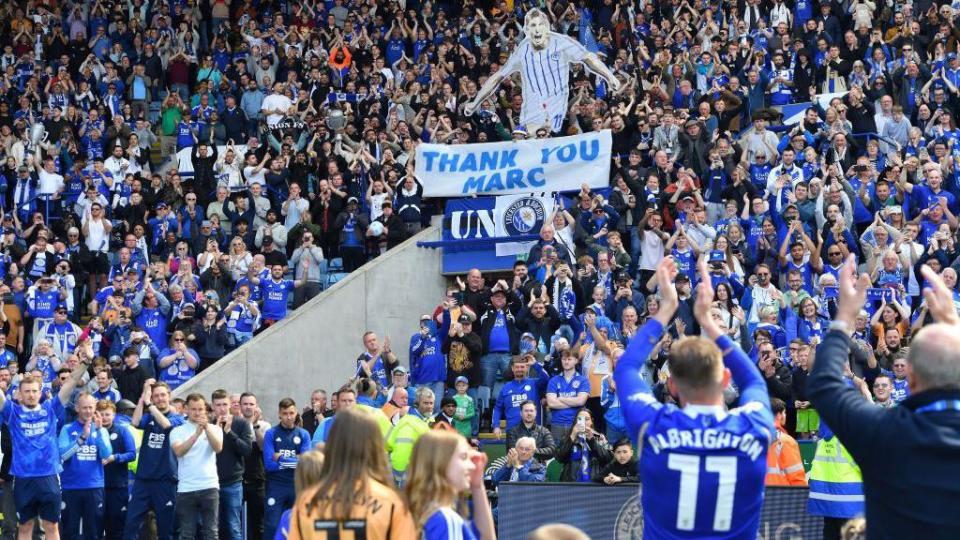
(185, 164)
(518, 215)
(502, 168)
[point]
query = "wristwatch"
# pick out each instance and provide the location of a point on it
(841, 326)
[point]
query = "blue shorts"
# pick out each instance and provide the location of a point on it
(37, 496)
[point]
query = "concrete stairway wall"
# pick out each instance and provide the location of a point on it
(317, 345)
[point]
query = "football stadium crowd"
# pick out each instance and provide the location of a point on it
(176, 177)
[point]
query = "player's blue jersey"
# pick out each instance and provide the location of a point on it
(702, 468)
(34, 435)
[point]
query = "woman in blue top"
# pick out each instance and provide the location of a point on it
(178, 363)
(443, 467)
(811, 326)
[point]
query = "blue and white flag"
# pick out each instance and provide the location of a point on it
(519, 215)
(586, 36)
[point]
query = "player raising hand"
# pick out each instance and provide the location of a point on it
(702, 466)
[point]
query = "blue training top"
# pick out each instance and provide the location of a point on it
(157, 461)
(82, 463)
(288, 444)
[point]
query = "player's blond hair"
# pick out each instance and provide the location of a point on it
(427, 482)
(696, 363)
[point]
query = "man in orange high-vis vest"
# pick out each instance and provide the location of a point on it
(784, 465)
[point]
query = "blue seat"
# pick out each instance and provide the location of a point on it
(333, 278)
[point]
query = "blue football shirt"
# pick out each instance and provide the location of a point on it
(34, 436)
(702, 467)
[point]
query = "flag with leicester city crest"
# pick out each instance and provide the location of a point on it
(520, 215)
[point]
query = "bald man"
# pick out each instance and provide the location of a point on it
(397, 406)
(920, 437)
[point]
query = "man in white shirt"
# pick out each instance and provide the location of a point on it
(884, 112)
(91, 196)
(50, 182)
(262, 205)
(116, 163)
(293, 207)
(196, 444)
(254, 172)
(653, 239)
(276, 105)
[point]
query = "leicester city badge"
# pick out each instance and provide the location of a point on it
(524, 216)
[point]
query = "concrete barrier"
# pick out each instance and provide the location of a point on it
(317, 345)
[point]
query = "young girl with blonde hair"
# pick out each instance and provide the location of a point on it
(443, 467)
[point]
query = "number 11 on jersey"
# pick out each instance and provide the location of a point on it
(689, 468)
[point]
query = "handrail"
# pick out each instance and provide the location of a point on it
(873, 135)
(471, 244)
(24, 206)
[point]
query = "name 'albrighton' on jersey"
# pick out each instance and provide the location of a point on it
(707, 439)
(703, 467)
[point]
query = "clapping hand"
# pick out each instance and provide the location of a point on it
(702, 309)
(852, 292)
(147, 391)
(939, 298)
(666, 272)
(479, 460)
(513, 459)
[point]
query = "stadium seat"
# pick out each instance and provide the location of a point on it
(333, 278)
(554, 469)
